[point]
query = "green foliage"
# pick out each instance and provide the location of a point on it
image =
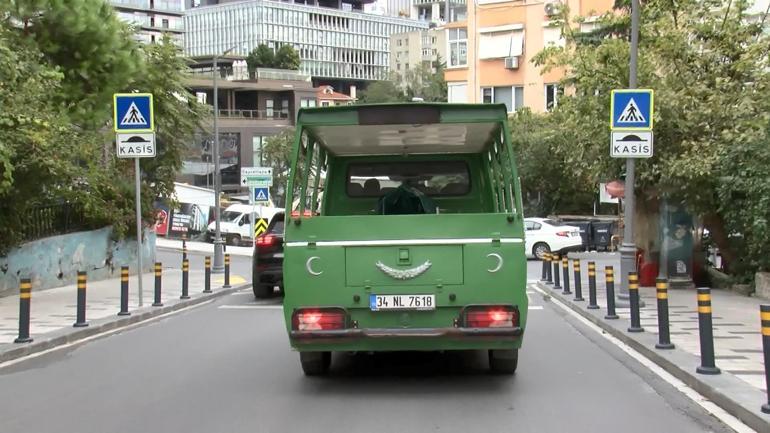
(707, 63)
(382, 91)
(422, 82)
(260, 57)
(277, 154)
(287, 58)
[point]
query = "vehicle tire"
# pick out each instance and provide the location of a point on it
(539, 249)
(235, 240)
(261, 290)
(503, 361)
(315, 363)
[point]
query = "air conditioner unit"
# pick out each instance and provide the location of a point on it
(551, 9)
(512, 62)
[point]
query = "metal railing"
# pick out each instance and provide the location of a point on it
(52, 220)
(255, 114)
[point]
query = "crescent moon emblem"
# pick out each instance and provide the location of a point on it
(309, 266)
(499, 262)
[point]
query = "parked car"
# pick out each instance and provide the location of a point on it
(543, 235)
(267, 261)
(235, 223)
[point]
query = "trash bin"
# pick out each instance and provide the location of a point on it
(602, 234)
(585, 231)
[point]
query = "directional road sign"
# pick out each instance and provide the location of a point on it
(135, 145)
(260, 227)
(261, 194)
(257, 176)
(132, 112)
(631, 109)
(631, 144)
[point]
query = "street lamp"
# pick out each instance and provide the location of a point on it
(219, 259)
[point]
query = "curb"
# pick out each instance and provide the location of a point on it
(746, 409)
(96, 327)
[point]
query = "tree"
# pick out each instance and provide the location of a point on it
(260, 57)
(707, 64)
(425, 81)
(287, 58)
(277, 154)
(383, 91)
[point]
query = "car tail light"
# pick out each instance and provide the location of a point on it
(318, 319)
(563, 234)
(306, 214)
(266, 241)
(493, 316)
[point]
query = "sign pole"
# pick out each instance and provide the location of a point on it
(628, 247)
(139, 237)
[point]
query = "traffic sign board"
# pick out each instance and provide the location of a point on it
(257, 176)
(135, 145)
(631, 109)
(260, 194)
(633, 144)
(133, 112)
(260, 227)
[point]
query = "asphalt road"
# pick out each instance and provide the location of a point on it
(226, 367)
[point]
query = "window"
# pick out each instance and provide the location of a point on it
(256, 144)
(457, 92)
(552, 92)
(458, 47)
(531, 225)
(269, 107)
(433, 178)
(325, 103)
(487, 95)
(518, 97)
(552, 37)
(512, 97)
(305, 103)
(165, 23)
(497, 45)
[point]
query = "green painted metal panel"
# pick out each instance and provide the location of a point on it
(444, 265)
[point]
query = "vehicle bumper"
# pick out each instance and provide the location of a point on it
(405, 333)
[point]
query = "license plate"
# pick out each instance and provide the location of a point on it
(402, 302)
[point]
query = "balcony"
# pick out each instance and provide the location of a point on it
(251, 118)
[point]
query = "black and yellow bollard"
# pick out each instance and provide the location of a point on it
(158, 284)
(25, 299)
(544, 271)
(556, 277)
(184, 248)
(548, 278)
(565, 271)
(633, 300)
(227, 272)
(592, 305)
(124, 291)
(578, 283)
(705, 326)
(207, 275)
(185, 279)
(664, 334)
(764, 316)
(80, 321)
(609, 278)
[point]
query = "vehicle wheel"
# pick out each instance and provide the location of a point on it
(315, 363)
(539, 249)
(262, 291)
(503, 361)
(235, 240)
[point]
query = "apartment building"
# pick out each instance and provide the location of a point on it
(411, 49)
(489, 54)
(153, 18)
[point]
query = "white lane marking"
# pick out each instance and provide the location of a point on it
(241, 293)
(734, 423)
(250, 307)
(535, 307)
(101, 335)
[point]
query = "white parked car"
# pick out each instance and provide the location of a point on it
(543, 235)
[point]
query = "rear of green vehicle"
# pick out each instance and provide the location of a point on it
(405, 233)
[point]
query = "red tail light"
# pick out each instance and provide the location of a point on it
(491, 317)
(318, 319)
(266, 241)
(563, 234)
(306, 213)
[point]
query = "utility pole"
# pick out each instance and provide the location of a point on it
(628, 247)
(219, 258)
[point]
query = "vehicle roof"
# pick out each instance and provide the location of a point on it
(404, 128)
(240, 207)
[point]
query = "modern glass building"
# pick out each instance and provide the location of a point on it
(332, 43)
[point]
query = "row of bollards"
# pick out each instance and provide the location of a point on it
(25, 293)
(550, 276)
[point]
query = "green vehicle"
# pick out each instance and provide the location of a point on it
(405, 233)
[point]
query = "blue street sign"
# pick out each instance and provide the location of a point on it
(631, 109)
(132, 112)
(261, 194)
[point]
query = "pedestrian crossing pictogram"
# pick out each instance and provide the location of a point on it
(133, 117)
(261, 195)
(260, 227)
(631, 114)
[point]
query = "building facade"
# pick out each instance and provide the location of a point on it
(489, 54)
(422, 47)
(153, 18)
(332, 43)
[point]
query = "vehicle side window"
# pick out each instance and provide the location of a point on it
(528, 225)
(536, 226)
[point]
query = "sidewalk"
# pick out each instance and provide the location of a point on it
(201, 247)
(737, 337)
(53, 310)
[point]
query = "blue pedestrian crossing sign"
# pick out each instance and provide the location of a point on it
(261, 194)
(631, 109)
(132, 112)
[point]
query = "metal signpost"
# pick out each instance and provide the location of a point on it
(134, 122)
(631, 110)
(258, 180)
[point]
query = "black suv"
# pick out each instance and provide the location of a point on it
(267, 262)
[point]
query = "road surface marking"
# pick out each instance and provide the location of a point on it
(250, 307)
(535, 307)
(710, 407)
(234, 279)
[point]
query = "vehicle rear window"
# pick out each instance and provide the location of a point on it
(433, 178)
(277, 227)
